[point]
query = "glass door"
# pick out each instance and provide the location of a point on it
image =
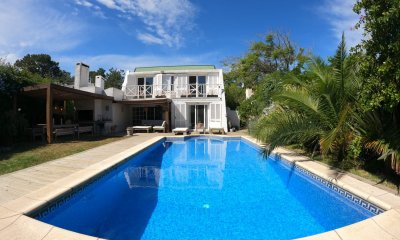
(198, 117)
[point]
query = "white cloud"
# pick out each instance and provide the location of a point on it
(126, 62)
(84, 3)
(26, 26)
(340, 15)
(150, 39)
(166, 21)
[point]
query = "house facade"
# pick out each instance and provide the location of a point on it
(195, 93)
(190, 96)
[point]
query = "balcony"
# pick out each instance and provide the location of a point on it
(173, 91)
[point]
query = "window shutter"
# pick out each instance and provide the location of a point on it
(215, 112)
(180, 115)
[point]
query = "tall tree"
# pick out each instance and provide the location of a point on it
(275, 53)
(44, 66)
(380, 52)
(114, 78)
(98, 72)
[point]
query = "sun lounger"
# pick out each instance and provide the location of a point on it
(141, 128)
(217, 131)
(160, 128)
(181, 130)
(200, 128)
(85, 129)
(63, 131)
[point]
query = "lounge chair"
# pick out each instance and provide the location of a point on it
(160, 128)
(85, 129)
(141, 128)
(182, 130)
(63, 131)
(200, 128)
(217, 131)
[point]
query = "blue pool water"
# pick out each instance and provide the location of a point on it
(203, 188)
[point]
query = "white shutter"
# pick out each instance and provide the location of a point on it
(157, 83)
(215, 112)
(181, 85)
(180, 115)
(212, 85)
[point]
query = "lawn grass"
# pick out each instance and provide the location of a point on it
(27, 154)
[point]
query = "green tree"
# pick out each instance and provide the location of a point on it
(114, 78)
(98, 72)
(380, 132)
(276, 53)
(43, 66)
(12, 122)
(380, 51)
(316, 112)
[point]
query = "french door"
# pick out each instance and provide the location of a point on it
(198, 116)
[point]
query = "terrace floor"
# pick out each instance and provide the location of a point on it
(24, 190)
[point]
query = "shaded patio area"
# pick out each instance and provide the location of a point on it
(55, 97)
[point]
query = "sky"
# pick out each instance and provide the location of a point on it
(125, 34)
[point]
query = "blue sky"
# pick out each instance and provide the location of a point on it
(131, 33)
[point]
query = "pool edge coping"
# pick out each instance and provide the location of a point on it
(14, 219)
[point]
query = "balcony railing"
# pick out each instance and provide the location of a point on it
(173, 91)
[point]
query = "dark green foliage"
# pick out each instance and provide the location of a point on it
(98, 72)
(380, 65)
(12, 123)
(380, 131)
(316, 112)
(114, 78)
(43, 66)
(275, 53)
(261, 70)
(234, 95)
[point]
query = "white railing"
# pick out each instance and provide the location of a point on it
(173, 91)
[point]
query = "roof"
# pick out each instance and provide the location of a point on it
(174, 68)
(61, 92)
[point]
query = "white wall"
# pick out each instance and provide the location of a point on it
(114, 92)
(120, 116)
(81, 75)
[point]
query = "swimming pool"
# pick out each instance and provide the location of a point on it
(203, 188)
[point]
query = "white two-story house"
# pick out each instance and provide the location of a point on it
(184, 96)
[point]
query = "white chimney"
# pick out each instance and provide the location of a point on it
(99, 82)
(81, 75)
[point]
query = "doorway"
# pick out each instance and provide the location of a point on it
(198, 116)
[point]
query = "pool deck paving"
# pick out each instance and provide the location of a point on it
(24, 191)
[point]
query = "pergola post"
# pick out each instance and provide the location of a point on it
(49, 114)
(167, 116)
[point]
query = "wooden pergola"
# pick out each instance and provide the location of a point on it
(51, 92)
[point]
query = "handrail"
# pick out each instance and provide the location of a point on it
(173, 91)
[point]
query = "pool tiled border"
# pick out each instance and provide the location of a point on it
(352, 197)
(373, 208)
(14, 224)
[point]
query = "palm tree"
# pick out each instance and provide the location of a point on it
(380, 131)
(317, 111)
